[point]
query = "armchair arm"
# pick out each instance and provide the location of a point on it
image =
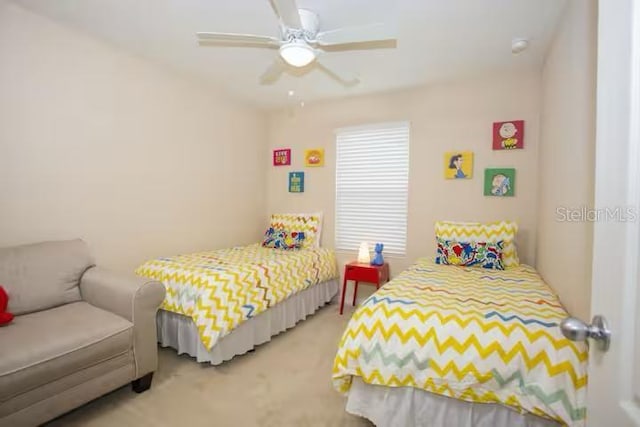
(134, 298)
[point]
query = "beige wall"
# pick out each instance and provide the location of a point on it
(140, 162)
(567, 149)
(453, 116)
(106, 146)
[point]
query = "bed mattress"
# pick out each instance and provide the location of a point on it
(220, 290)
(478, 335)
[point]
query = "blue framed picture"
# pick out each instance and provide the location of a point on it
(296, 182)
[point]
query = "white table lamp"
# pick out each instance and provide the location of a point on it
(364, 257)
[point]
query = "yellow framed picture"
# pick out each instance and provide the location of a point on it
(458, 165)
(314, 157)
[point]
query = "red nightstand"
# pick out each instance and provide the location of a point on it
(374, 274)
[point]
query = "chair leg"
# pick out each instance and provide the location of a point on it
(355, 293)
(142, 384)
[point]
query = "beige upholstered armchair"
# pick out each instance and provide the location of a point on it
(80, 331)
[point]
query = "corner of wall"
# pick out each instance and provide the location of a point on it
(567, 129)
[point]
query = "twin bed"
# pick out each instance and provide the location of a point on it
(223, 303)
(439, 345)
(450, 345)
(488, 339)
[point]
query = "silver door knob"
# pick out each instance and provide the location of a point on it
(576, 330)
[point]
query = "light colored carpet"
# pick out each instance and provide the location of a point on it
(286, 382)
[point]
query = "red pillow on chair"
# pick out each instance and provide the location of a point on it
(5, 317)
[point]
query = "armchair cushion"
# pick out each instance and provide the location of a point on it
(134, 298)
(43, 347)
(43, 275)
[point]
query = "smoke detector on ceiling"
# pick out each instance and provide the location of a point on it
(518, 45)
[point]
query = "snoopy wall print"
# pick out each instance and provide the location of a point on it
(499, 182)
(508, 135)
(458, 164)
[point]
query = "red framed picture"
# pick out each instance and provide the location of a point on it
(508, 135)
(282, 157)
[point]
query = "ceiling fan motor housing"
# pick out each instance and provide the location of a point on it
(310, 26)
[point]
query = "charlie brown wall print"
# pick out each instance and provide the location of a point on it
(508, 135)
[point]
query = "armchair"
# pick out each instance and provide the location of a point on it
(80, 331)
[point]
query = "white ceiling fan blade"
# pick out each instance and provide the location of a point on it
(345, 77)
(273, 73)
(367, 33)
(287, 11)
(237, 38)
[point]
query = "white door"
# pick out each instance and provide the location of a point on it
(614, 376)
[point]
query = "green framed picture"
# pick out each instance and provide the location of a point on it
(499, 182)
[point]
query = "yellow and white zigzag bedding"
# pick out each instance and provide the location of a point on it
(469, 333)
(220, 289)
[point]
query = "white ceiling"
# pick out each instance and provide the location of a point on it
(437, 40)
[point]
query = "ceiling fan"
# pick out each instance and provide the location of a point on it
(301, 41)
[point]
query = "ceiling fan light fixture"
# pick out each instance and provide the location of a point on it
(297, 53)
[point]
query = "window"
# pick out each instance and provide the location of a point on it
(372, 184)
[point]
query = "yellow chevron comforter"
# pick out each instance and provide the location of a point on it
(469, 333)
(220, 289)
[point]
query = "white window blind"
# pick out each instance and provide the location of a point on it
(372, 185)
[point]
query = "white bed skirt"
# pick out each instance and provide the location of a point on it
(179, 332)
(412, 407)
